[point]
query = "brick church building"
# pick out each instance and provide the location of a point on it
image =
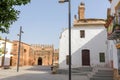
(43, 54)
(34, 54)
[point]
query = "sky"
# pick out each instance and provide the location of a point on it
(42, 21)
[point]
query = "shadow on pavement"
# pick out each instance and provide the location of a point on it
(35, 76)
(35, 73)
(40, 68)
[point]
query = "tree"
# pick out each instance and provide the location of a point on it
(2, 50)
(8, 13)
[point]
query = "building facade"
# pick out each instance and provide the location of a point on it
(5, 52)
(24, 54)
(113, 30)
(30, 55)
(56, 57)
(34, 54)
(43, 54)
(88, 43)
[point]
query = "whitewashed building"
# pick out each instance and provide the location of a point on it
(88, 43)
(113, 30)
(5, 61)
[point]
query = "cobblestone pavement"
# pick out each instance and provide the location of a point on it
(35, 73)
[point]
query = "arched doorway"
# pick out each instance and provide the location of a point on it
(85, 57)
(39, 61)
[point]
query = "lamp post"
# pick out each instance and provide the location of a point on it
(69, 32)
(19, 48)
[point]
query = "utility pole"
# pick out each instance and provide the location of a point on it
(19, 48)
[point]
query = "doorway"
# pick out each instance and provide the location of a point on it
(85, 57)
(39, 61)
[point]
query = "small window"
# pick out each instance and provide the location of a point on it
(82, 33)
(102, 57)
(25, 50)
(67, 59)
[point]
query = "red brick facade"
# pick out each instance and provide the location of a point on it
(56, 57)
(25, 54)
(34, 54)
(43, 54)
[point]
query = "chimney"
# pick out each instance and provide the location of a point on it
(81, 11)
(108, 12)
(110, 1)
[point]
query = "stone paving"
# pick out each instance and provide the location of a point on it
(35, 73)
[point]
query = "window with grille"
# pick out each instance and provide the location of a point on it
(82, 33)
(102, 57)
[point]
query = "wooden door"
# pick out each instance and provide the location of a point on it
(86, 57)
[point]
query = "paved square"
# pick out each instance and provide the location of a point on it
(35, 73)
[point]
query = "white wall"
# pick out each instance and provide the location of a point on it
(8, 54)
(112, 50)
(113, 5)
(0, 61)
(8, 50)
(95, 40)
(63, 49)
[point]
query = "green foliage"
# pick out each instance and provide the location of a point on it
(8, 13)
(2, 50)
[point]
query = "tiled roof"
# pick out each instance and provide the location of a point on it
(89, 21)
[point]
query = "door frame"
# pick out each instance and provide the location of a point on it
(85, 57)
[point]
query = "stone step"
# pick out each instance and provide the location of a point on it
(109, 71)
(80, 74)
(83, 68)
(105, 74)
(75, 71)
(102, 75)
(101, 78)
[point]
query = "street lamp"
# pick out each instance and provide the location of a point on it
(19, 48)
(69, 31)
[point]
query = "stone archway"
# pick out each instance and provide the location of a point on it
(39, 61)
